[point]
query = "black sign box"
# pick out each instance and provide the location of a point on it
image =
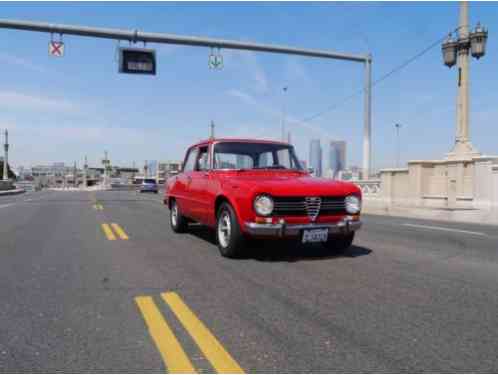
(137, 61)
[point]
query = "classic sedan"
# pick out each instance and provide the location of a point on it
(246, 188)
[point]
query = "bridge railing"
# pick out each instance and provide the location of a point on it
(369, 188)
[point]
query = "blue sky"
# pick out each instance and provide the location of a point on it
(63, 109)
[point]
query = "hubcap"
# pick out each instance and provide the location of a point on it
(224, 229)
(174, 214)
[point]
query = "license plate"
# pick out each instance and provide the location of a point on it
(315, 235)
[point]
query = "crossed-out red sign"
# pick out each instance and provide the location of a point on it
(56, 49)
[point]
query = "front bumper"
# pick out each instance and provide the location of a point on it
(344, 226)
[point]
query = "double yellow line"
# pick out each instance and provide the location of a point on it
(110, 234)
(174, 357)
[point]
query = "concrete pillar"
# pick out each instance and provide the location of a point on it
(462, 134)
(463, 148)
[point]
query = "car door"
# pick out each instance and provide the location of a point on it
(198, 185)
(183, 184)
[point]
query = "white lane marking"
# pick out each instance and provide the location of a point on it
(444, 229)
(6, 205)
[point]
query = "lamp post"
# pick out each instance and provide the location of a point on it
(456, 51)
(398, 145)
(6, 157)
(284, 90)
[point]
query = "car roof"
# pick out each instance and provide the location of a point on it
(239, 140)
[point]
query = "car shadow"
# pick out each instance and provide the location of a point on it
(281, 251)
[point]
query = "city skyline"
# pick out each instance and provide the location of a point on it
(73, 106)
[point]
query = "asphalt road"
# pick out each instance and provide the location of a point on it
(410, 296)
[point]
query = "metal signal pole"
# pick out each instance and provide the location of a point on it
(139, 36)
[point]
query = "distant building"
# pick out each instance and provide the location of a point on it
(315, 157)
(336, 158)
(168, 168)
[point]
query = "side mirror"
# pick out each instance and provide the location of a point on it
(311, 170)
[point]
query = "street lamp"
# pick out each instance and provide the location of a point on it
(284, 90)
(449, 49)
(456, 51)
(398, 145)
(476, 40)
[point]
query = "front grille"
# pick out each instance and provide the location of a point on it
(307, 206)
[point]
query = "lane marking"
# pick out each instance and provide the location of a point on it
(444, 229)
(108, 232)
(6, 205)
(174, 357)
(120, 232)
(212, 349)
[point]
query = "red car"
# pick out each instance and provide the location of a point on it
(257, 189)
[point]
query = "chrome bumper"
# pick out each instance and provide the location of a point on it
(292, 230)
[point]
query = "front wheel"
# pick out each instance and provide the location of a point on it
(228, 234)
(177, 220)
(339, 244)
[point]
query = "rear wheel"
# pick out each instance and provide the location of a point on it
(339, 244)
(228, 234)
(177, 220)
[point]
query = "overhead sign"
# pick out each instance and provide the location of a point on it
(137, 61)
(215, 60)
(56, 48)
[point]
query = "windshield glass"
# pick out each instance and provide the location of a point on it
(243, 155)
(149, 181)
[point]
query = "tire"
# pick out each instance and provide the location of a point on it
(228, 235)
(177, 221)
(339, 244)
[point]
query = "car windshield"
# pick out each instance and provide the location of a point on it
(149, 181)
(245, 155)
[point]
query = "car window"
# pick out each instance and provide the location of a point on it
(190, 161)
(149, 181)
(233, 161)
(203, 159)
(265, 159)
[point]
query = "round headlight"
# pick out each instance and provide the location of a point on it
(263, 205)
(353, 204)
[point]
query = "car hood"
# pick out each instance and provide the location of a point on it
(289, 184)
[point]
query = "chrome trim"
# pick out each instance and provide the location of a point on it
(291, 230)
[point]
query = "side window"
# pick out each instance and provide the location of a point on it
(203, 159)
(190, 160)
(265, 159)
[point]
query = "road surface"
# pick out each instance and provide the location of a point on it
(97, 282)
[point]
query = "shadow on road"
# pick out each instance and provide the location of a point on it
(281, 251)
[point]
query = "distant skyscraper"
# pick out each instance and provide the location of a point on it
(315, 158)
(336, 158)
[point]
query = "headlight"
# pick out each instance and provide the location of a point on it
(353, 204)
(263, 205)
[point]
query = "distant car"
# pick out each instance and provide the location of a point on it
(149, 185)
(258, 189)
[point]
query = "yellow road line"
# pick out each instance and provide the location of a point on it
(173, 355)
(121, 233)
(108, 232)
(212, 349)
